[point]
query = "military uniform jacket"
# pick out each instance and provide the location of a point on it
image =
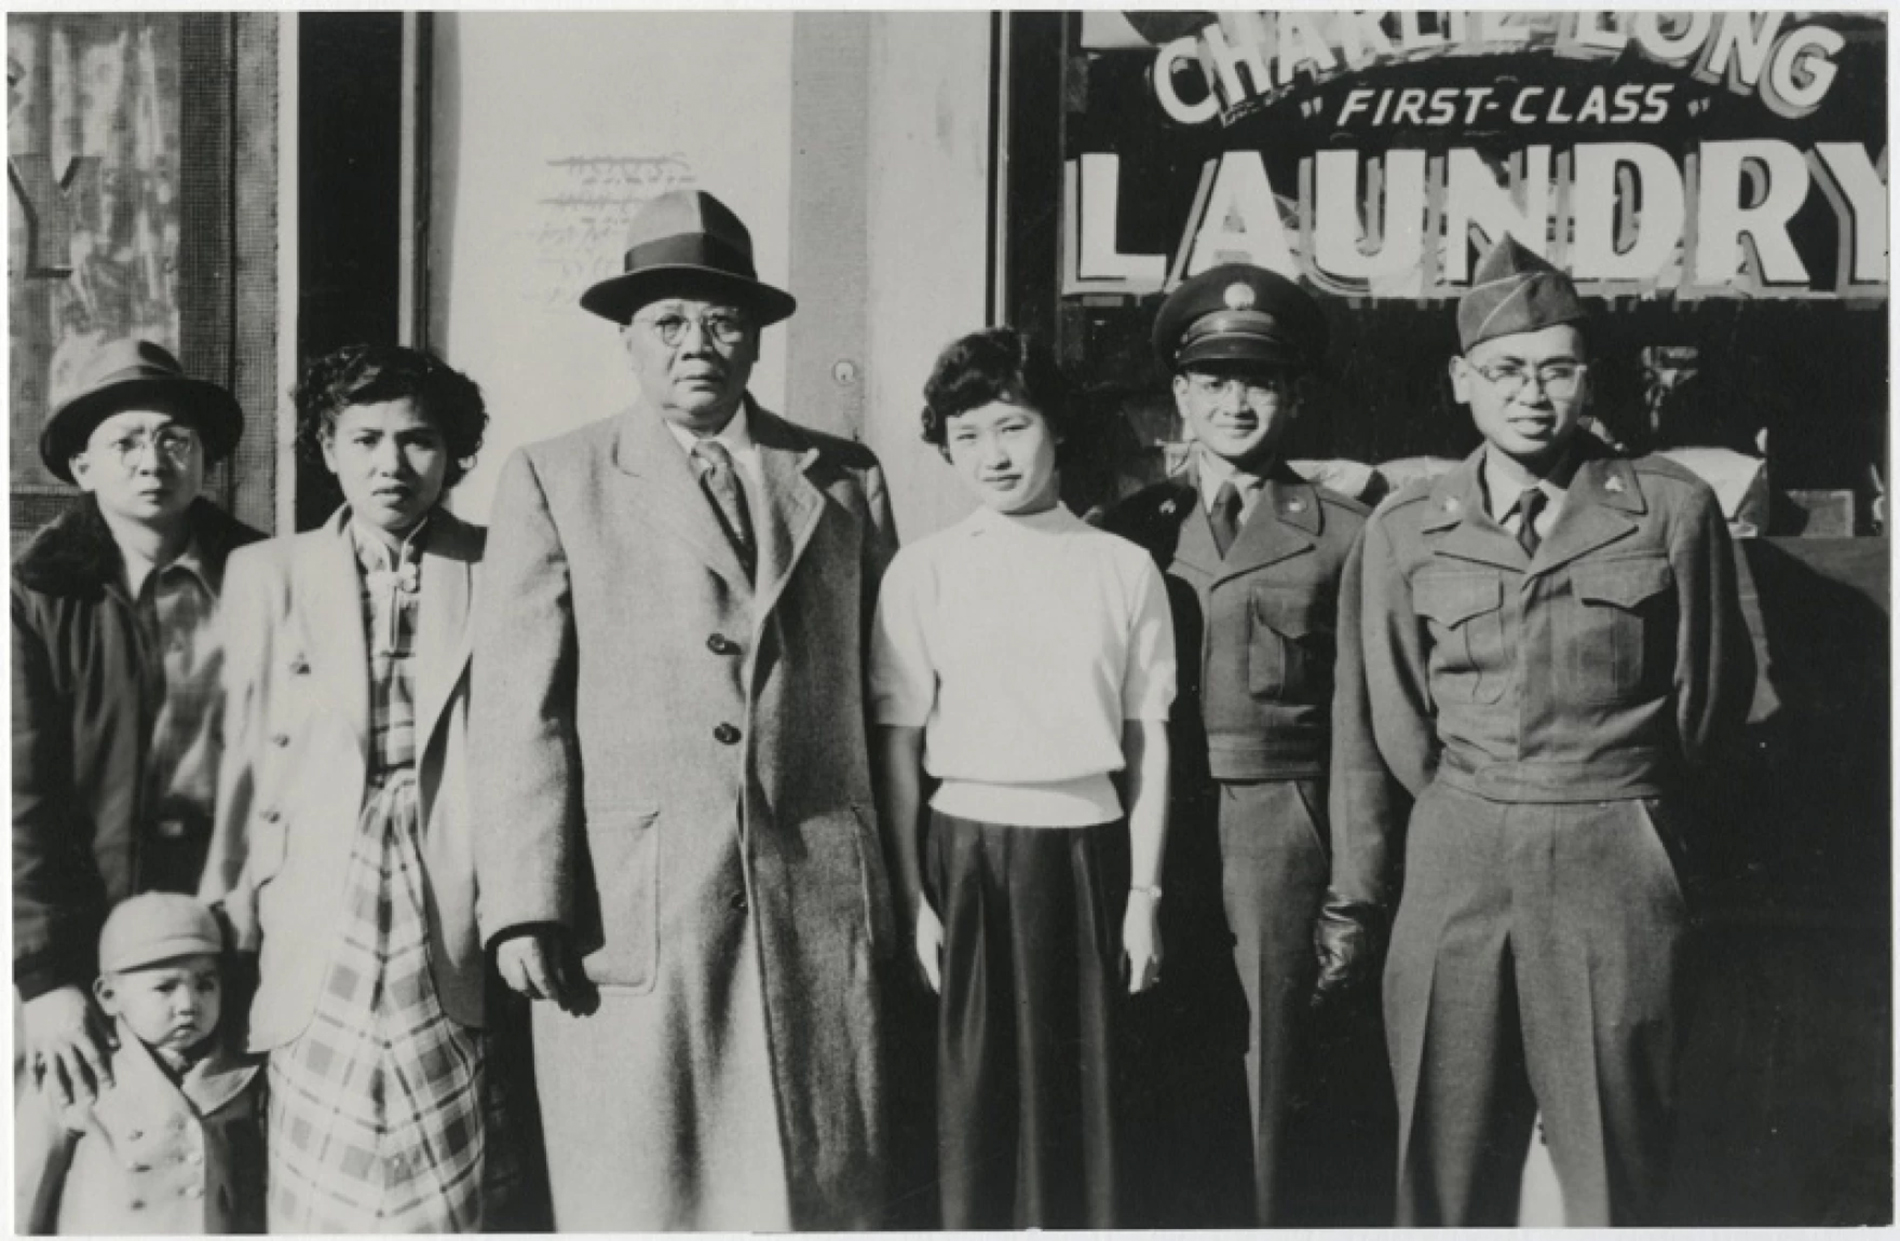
(151, 1156)
(1610, 665)
(1255, 631)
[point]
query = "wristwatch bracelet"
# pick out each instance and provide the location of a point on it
(1151, 891)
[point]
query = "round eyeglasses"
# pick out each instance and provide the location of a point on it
(1560, 379)
(722, 328)
(173, 444)
(1258, 387)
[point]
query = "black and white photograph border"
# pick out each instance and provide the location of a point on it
(584, 855)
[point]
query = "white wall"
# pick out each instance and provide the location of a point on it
(929, 221)
(654, 101)
(709, 95)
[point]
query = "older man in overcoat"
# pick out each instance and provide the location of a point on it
(676, 845)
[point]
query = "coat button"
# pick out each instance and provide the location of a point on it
(720, 644)
(193, 1191)
(269, 816)
(137, 1204)
(194, 1157)
(280, 739)
(138, 1166)
(300, 666)
(726, 734)
(739, 901)
(133, 1135)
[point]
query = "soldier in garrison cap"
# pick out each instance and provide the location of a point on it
(1542, 652)
(1253, 555)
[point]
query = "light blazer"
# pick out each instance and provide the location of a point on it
(296, 763)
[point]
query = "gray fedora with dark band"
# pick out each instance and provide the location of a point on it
(136, 374)
(682, 244)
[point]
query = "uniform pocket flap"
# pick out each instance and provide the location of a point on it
(1287, 611)
(1454, 598)
(1624, 583)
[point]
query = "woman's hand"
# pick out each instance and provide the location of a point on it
(68, 1047)
(930, 945)
(1141, 942)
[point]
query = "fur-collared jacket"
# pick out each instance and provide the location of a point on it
(84, 697)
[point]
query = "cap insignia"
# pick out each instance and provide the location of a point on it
(1239, 296)
(1612, 483)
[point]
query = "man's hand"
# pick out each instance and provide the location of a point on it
(930, 945)
(1141, 942)
(1346, 941)
(68, 1046)
(538, 964)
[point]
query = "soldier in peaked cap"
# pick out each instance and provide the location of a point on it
(1253, 555)
(1542, 652)
(675, 842)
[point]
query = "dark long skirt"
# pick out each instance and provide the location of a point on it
(1025, 1050)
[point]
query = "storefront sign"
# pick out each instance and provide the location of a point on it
(1697, 155)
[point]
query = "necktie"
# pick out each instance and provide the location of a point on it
(721, 484)
(1530, 503)
(1226, 516)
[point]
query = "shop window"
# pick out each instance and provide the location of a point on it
(142, 165)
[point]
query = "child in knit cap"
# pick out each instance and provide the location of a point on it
(174, 1142)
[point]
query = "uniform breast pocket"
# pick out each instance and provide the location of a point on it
(1290, 644)
(1465, 613)
(1621, 622)
(622, 949)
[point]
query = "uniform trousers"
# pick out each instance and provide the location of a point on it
(1025, 1051)
(1534, 968)
(1273, 878)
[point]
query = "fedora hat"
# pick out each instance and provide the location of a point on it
(136, 374)
(681, 242)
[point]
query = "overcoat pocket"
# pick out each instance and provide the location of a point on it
(625, 850)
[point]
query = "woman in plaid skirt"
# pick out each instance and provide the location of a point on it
(341, 851)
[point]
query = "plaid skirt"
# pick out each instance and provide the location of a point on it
(376, 1109)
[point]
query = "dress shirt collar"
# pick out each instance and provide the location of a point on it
(1503, 483)
(1212, 470)
(736, 435)
(138, 569)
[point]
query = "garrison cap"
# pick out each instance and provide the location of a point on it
(1240, 313)
(153, 927)
(1512, 291)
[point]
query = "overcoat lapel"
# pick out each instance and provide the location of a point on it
(665, 489)
(793, 503)
(332, 623)
(442, 634)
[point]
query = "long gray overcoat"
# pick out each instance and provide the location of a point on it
(670, 763)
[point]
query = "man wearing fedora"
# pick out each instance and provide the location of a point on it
(676, 846)
(116, 703)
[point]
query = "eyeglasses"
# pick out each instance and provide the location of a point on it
(1556, 378)
(174, 444)
(1256, 387)
(723, 328)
